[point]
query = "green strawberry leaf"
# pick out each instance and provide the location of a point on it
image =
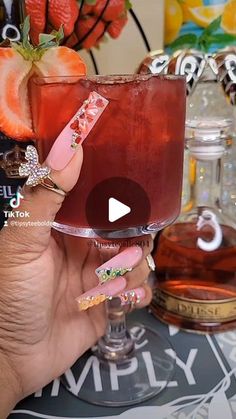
(52, 39)
(59, 35)
(25, 28)
(184, 41)
(28, 51)
(128, 4)
(45, 40)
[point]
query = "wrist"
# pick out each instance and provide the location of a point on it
(10, 389)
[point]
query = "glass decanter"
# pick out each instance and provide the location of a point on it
(196, 256)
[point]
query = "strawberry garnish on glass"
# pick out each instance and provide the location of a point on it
(21, 61)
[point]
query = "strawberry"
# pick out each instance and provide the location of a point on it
(37, 12)
(63, 12)
(87, 9)
(115, 28)
(17, 65)
(60, 61)
(114, 9)
(15, 118)
(83, 27)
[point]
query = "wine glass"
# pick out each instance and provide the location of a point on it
(134, 153)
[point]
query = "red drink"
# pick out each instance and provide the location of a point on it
(139, 136)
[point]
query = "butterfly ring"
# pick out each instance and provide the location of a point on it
(37, 174)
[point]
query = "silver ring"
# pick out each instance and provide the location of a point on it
(151, 263)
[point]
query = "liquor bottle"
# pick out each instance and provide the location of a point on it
(12, 13)
(196, 256)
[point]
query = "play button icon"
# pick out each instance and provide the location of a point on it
(117, 210)
(117, 207)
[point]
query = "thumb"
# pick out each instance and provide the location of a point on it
(32, 231)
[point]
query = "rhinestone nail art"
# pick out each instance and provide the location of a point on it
(91, 301)
(108, 274)
(86, 117)
(130, 297)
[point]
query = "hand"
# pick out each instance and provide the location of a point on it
(42, 333)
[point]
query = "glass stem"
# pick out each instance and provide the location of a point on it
(117, 342)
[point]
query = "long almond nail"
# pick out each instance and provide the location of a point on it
(132, 297)
(76, 131)
(101, 293)
(120, 264)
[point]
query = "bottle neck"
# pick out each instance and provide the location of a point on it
(206, 182)
(208, 99)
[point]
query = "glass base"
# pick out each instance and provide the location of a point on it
(112, 234)
(141, 375)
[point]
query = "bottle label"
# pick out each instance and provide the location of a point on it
(195, 310)
(11, 16)
(188, 24)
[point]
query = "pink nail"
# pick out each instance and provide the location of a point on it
(101, 293)
(120, 264)
(134, 296)
(76, 131)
